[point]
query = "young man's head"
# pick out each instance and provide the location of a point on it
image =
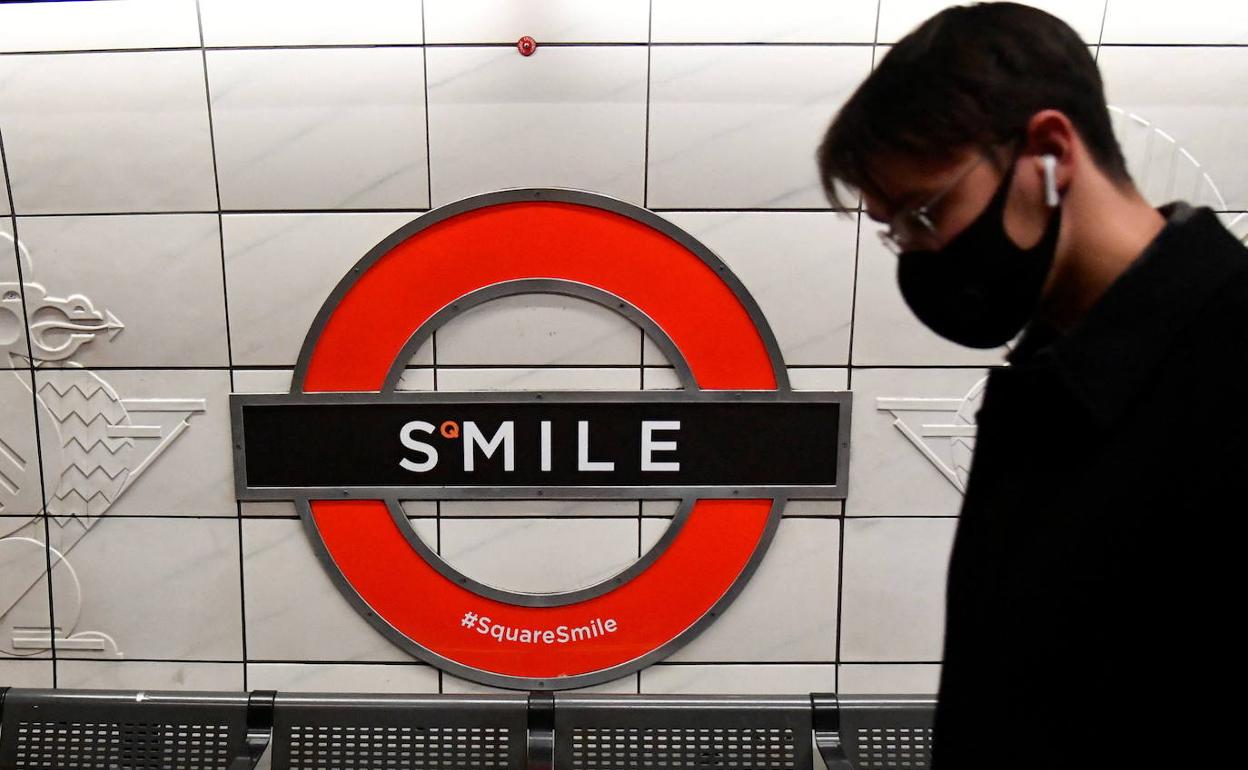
(973, 140)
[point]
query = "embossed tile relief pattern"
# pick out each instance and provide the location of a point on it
(184, 182)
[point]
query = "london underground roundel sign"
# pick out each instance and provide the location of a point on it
(733, 445)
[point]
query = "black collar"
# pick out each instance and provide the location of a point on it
(1126, 335)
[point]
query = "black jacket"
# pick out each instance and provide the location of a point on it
(1094, 586)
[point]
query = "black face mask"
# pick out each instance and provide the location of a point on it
(980, 289)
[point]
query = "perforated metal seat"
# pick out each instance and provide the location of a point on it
(874, 732)
(660, 732)
(112, 730)
(371, 732)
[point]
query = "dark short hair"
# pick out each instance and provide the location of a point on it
(970, 76)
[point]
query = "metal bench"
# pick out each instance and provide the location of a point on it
(57, 729)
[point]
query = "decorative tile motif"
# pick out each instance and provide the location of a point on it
(912, 437)
(95, 444)
(156, 278)
(1194, 95)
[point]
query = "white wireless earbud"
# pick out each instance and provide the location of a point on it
(1050, 180)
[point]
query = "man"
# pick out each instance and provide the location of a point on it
(1091, 596)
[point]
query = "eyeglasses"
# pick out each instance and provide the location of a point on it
(912, 227)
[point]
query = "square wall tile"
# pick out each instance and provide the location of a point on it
(167, 436)
(1207, 22)
(25, 673)
(539, 378)
(115, 132)
(748, 21)
(546, 509)
(737, 126)
(625, 685)
(299, 22)
(149, 588)
(19, 451)
(320, 128)
(262, 380)
(342, 677)
(539, 555)
(899, 17)
(151, 285)
(294, 610)
(96, 26)
(148, 675)
(25, 618)
(538, 330)
(886, 331)
(563, 117)
(889, 679)
(798, 267)
(792, 596)
(903, 459)
(547, 21)
(1195, 96)
(893, 602)
(280, 269)
(819, 378)
(814, 508)
(656, 377)
(416, 379)
(769, 678)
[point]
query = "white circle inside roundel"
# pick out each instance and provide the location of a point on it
(551, 343)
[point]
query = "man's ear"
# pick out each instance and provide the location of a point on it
(1050, 133)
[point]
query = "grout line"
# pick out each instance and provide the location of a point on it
(1100, 36)
(645, 163)
(530, 517)
(619, 366)
(549, 44)
(229, 337)
(424, 60)
(475, 44)
(422, 664)
(226, 212)
(34, 405)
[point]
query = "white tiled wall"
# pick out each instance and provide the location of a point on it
(191, 179)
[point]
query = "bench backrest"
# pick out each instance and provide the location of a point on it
(367, 732)
(96, 729)
(639, 732)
